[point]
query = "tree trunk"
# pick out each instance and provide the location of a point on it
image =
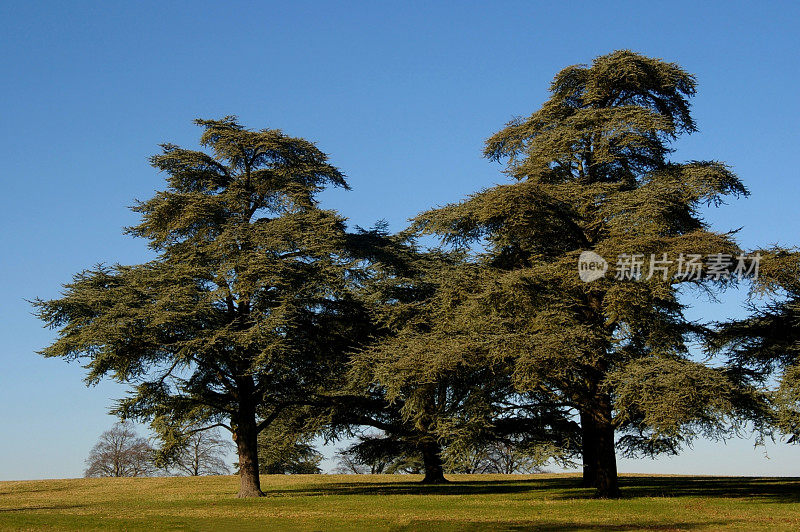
(599, 453)
(606, 482)
(432, 459)
(246, 437)
(588, 450)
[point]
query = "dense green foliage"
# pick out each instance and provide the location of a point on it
(262, 314)
(766, 344)
(593, 175)
(280, 454)
(285, 447)
(443, 395)
(245, 311)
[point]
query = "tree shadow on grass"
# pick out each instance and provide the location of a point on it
(42, 507)
(767, 489)
(545, 526)
(757, 489)
(488, 487)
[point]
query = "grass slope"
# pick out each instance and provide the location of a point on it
(391, 502)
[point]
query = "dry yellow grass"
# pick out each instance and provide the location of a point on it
(393, 502)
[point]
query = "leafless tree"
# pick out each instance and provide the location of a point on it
(375, 454)
(506, 458)
(203, 454)
(472, 461)
(120, 452)
(348, 464)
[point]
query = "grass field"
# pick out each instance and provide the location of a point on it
(386, 502)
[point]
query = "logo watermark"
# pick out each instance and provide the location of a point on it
(684, 267)
(591, 266)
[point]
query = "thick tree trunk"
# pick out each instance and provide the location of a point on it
(432, 460)
(599, 453)
(588, 450)
(607, 482)
(246, 437)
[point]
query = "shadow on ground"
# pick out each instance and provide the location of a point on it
(541, 526)
(764, 489)
(43, 507)
(767, 489)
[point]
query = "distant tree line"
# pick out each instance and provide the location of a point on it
(264, 315)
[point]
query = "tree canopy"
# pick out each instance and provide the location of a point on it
(765, 345)
(263, 315)
(593, 174)
(244, 312)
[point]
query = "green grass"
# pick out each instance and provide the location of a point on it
(387, 502)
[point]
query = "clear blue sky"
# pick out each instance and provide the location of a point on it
(401, 96)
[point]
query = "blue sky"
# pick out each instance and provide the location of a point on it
(401, 95)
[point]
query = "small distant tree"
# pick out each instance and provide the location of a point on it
(508, 457)
(202, 453)
(120, 452)
(504, 456)
(407, 465)
(348, 464)
(470, 461)
(381, 453)
(286, 450)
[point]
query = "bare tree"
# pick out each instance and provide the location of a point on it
(469, 461)
(377, 453)
(506, 458)
(347, 464)
(120, 452)
(203, 454)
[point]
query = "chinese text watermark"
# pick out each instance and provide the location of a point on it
(684, 267)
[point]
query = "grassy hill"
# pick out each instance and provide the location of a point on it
(381, 502)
